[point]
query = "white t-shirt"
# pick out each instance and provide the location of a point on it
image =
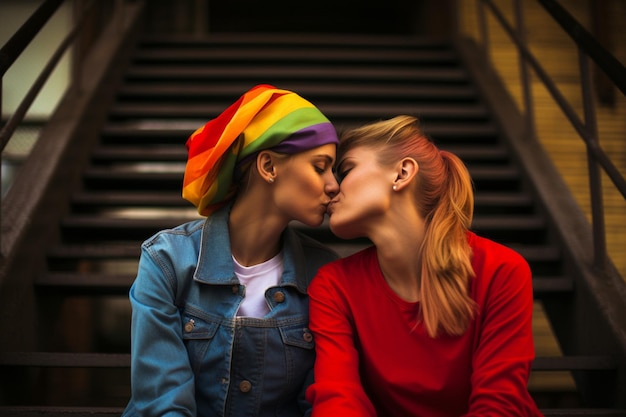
(257, 279)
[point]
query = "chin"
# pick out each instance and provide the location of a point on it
(341, 231)
(313, 222)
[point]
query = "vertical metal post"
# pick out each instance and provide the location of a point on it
(595, 181)
(524, 75)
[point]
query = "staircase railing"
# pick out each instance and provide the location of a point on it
(19, 42)
(588, 49)
(600, 291)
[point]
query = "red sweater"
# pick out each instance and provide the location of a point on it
(375, 359)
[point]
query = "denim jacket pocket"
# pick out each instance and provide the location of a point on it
(297, 335)
(299, 352)
(197, 335)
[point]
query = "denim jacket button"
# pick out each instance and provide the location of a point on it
(307, 336)
(245, 386)
(235, 289)
(189, 326)
(279, 297)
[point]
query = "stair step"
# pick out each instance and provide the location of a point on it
(131, 250)
(334, 111)
(217, 92)
(98, 228)
(178, 153)
(575, 363)
(92, 251)
(156, 153)
(106, 179)
(55, 411)
(485, 178)
(508, 222)
(65, 359)
(177, 132)
(85, 283)
(529, 229)
(274, 74)
(534, 254)
(101, 227)
(544, 286)
(129, 199)
(312, 55)
(485, 203)
(339, 41)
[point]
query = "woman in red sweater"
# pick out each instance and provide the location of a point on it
(433, 320)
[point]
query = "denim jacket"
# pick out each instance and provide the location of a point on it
(191, 354)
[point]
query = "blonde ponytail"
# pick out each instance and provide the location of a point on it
(446, 255)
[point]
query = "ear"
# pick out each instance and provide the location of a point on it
(265, 166)
(407, 170)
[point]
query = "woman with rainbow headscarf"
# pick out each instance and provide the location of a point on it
(219, 305)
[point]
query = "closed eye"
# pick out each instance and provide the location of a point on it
(322, 163)
(342, 174)
(321, 169)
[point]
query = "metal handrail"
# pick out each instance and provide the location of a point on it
(18, 43)
(25, 34)
(585, 41)
(587, 129)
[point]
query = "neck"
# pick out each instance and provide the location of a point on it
(397, 244)
(254, 233)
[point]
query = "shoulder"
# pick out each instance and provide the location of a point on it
(499, 269)
(346, 281)
(182, 230)
(351, 267)
(489, 253)
(179, 238)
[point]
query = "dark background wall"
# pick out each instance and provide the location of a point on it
(419, 17)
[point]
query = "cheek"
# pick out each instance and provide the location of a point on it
(361, 203)
(305, 186)
(299, 192)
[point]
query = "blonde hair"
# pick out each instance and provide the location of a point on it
(445, 199)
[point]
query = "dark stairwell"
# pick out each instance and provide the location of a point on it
(65, 315)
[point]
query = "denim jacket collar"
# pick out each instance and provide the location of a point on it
(215, 264)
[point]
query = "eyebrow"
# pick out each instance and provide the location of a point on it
(328, 158)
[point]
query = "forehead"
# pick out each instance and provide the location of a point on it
(358, 153)
(327, 151)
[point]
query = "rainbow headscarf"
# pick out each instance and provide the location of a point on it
(263, 118)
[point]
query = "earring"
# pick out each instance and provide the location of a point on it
(395, 187)
(271, 180)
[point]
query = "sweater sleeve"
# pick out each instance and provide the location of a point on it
(504, 349)
(337, 390)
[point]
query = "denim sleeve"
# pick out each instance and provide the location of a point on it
(161, 376)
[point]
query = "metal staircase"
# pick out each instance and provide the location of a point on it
(131, 187)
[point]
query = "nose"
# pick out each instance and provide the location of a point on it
(332, 186)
